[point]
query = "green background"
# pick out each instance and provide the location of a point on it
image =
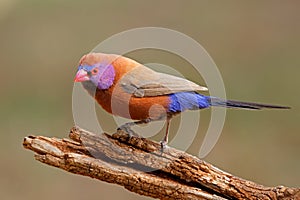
(255, 44)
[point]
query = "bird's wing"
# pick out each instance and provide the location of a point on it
(142, 82)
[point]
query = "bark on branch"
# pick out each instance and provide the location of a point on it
(139, 165)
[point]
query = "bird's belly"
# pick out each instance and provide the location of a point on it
(124, 105)
(149, 107)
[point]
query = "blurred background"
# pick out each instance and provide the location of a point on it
(255, 44)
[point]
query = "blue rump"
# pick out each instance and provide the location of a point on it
(182, 101)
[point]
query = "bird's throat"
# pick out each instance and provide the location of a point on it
(90, 87)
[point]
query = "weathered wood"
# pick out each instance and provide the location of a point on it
(139, 165)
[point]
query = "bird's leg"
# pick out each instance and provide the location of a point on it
(164, 141)
(127, 126)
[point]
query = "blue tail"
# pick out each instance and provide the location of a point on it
(182, 101)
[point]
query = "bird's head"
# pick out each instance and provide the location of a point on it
(101, 75)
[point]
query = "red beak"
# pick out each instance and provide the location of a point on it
(81, 76)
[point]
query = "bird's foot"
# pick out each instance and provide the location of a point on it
(126, 128)
(163, 145)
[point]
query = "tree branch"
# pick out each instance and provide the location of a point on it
(139, 165)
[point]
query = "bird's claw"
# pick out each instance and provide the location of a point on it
(163, 145)
(126, 128)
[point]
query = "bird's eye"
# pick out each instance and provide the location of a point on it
(94, 71)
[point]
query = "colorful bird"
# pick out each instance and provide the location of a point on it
(129, 89)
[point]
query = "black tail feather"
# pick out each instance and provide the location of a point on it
(245, 105)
